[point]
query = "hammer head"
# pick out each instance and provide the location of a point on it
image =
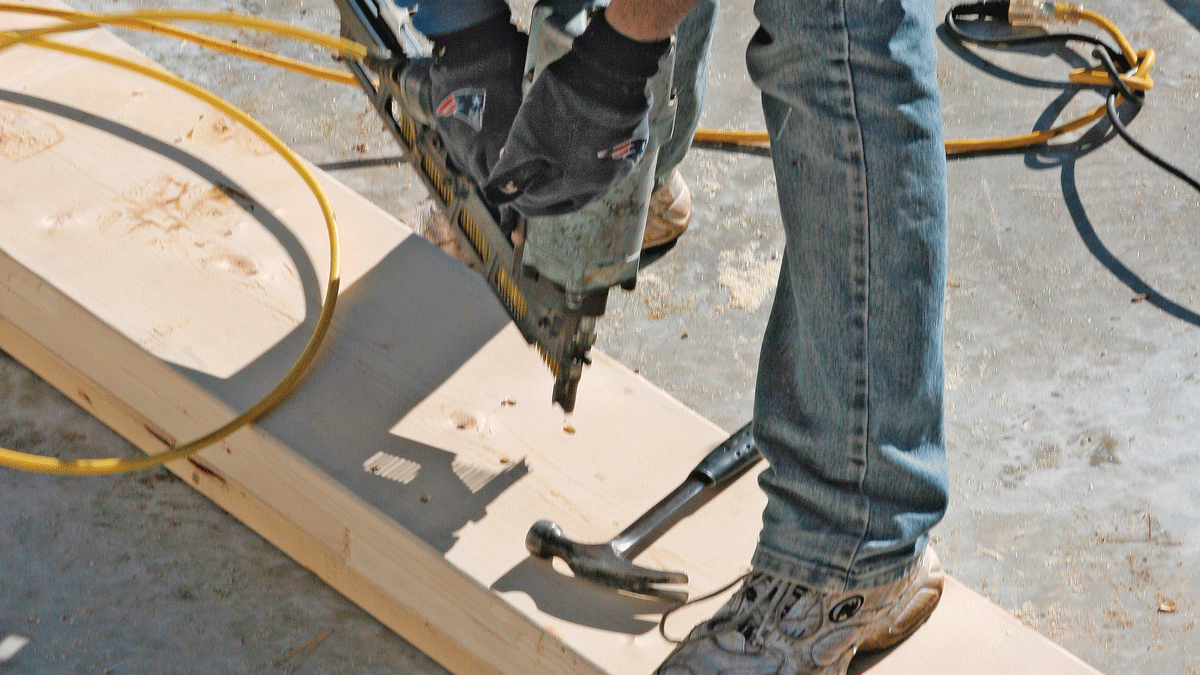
(602, 564)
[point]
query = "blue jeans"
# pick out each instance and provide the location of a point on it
(848, 409)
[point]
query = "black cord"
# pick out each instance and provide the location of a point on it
(1113, 60)
(1110, 104)
(1118, 83)
(997, 10)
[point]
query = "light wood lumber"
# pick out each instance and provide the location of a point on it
(161, 269)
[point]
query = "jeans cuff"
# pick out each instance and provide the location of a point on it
(831, 579)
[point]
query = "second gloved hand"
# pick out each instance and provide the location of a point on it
(582, 126)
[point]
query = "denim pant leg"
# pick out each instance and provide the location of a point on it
(693, 39)
(848, 409)
(438, 17)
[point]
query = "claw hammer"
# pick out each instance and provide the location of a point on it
(610, 563)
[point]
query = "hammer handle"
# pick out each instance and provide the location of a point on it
(730, 459)
(714, 473)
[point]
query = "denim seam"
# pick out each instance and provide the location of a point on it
(862, 243)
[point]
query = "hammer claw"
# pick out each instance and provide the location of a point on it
(669, 594)
(623, 575)
(602, 564)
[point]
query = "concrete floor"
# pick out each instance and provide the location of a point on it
(1071, 345)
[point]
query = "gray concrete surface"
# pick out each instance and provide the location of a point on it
(1072, 364)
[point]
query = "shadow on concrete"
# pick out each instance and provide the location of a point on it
(1050, 116)
(1065, 155)
(1065, 158)
(1087, 234)
(1188, 9)
(977, 59)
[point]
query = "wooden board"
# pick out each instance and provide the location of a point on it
(162, 269)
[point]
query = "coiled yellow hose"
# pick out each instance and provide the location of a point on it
(153, 21)
(1139, 80)
(149, 21)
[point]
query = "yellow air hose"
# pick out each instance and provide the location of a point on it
(153, 21)
(148, 21)
(1140, 80)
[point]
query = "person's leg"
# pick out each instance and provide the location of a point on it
(438, 17)
(848, 408)
(692, 42)
(671, 204)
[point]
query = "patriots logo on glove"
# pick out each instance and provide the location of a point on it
(465, 104)
(631, 150)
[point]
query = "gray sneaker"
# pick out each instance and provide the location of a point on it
(772, 626)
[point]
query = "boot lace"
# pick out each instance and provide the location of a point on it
(757, 607)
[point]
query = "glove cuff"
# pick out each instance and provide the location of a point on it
(619, 54)
(476, 42)
(606, 66)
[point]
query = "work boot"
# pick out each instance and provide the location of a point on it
(670, 211)
(772, 626)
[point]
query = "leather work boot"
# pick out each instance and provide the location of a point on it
(772, 626)
(670, 211)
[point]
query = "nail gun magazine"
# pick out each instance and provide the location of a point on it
(552, 274)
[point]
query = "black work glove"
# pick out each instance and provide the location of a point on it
(582, 126)
(475, 82)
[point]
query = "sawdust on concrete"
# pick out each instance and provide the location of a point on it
(658, 296)
(748, 275)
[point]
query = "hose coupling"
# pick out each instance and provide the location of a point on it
(1043, 12)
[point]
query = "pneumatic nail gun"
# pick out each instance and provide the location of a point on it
(554, 281)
